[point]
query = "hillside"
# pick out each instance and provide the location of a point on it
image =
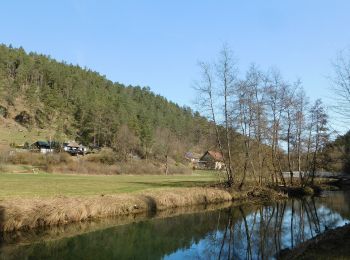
(40, 97)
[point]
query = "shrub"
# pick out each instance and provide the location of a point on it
(24, 118)
(84, 167)
(54, 159)
(106, 156)
(35, 159)
(308, 190)
(3, 111)
(27, 158)
(4, 154)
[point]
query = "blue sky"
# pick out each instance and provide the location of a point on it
(158, 43)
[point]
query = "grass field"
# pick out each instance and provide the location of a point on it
(48, 185)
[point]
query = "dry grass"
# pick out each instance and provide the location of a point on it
(101, 163)
(21, 214)
(83, 167)
(38, 159)
(12, 132)
(64, 231)
(105, 156)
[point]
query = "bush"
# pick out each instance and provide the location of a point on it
(103, 162)
(27, 158)
(4, 154)
(58, 158)
(24, 118)
(3, 111)
(84, 167)
(105, 156)
(308, 190)
(35, 159)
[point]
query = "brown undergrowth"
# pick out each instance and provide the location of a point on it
(103, 163)
(23, 214)
(254, 193)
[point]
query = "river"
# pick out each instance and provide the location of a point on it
(230, 232)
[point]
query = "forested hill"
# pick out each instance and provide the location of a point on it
(39, 92)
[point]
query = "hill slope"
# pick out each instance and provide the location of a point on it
(40, 96)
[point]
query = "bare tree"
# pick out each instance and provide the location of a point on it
(290, 124)
(318, 136)
(206, 102)
(262, 119)
(215, 91)
(341, 83)
(167, 145)
(227, 76)
(125, 141)
(250, 113)
(301, 104)
(276, 91)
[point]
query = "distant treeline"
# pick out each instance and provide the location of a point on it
(81, 104)
(338, 154)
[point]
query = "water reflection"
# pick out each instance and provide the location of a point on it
(261, 232)
(246, 232)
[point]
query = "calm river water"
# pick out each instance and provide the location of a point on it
(246, 232)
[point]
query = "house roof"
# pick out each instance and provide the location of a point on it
(73, 144)
(217, 156)
(41, 144)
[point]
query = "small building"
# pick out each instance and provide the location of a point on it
(212, 160)
(73, 148)
(42, 147)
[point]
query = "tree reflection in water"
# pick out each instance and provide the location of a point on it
(262, 231)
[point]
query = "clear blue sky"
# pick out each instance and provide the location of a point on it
(158, 43)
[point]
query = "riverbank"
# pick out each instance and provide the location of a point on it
(54, 233)
(205, 231)
(328, 245)
(29, 213)
(33, 201)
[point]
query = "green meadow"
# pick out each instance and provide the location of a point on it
(48, 185)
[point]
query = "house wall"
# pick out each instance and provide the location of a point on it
(45, 151)
(208, 162)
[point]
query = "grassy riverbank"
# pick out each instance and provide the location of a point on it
(35, 200)
(27, 213)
